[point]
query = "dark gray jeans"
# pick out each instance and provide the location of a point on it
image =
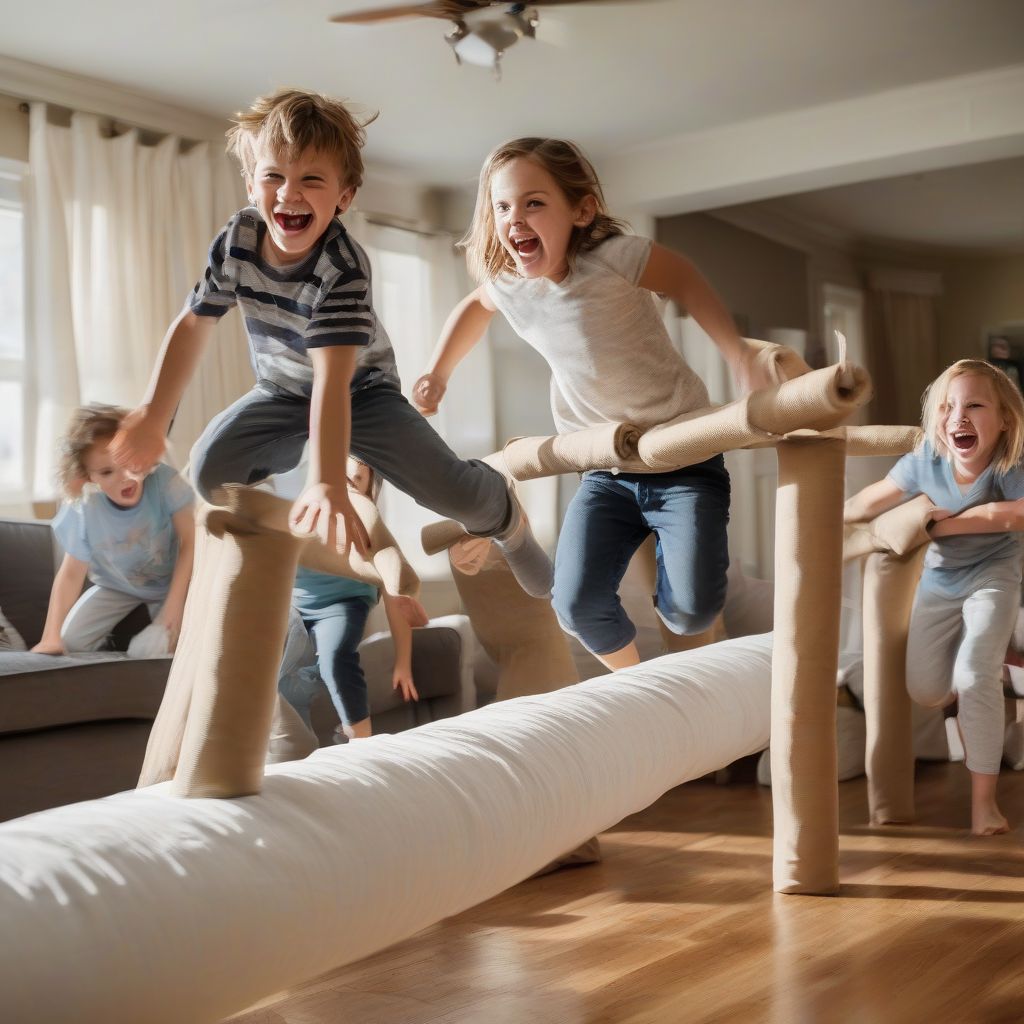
(263, 433)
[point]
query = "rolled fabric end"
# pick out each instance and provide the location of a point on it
(610, 446)
(817, 400)
(698, 435)
(905, 528)
(780, 362)
(440, 536)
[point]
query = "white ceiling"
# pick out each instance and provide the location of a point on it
(625, 74)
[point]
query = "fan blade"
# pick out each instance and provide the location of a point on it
(448, 10)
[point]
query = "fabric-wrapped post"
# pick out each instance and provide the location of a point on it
(808, 584)
(243, 612)
(890, 582)
(895, 543)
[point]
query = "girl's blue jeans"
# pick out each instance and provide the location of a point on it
(609, 518)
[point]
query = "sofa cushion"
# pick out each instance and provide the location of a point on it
(39, 691)
(27, 557)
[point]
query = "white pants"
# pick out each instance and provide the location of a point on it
(95, 614)
(959, 631)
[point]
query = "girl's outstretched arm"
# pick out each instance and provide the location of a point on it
(66, 589)
(401, 635)
(671, 274)
(173, 609)
(872, 501)
(464, 327)
(994, 517)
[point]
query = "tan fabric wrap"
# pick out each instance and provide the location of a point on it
(290, 738)
(881, 440)
(817, 400)
(890, 582)
(697, 436)
(606, 447)
(805, 657)
(240, 621)
(519, 632)
(386, 567)
(164, 745)
(780, 362)
(441, 536)
(899, 531)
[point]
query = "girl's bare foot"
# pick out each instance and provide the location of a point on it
(986, 818)
(988, 822)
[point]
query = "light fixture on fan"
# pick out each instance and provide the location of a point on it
(482, 37)
(483, 29)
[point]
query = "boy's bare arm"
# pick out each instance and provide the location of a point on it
(671, 274)
(324, 507)
(464, 327)
(173, 608)
(993, 517)
(143, 435)
(872, 501)
(66, 589)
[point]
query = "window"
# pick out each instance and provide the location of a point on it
(13, 407)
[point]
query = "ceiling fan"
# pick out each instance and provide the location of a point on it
(483, 29)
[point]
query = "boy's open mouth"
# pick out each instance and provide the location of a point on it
(964, 440)
(293, 221)
(128, 491)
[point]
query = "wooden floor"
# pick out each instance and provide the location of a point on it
(678, 925)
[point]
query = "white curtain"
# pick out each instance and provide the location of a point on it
(119, 232)
(417, 280)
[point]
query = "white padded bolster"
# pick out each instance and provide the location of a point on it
(147, 907)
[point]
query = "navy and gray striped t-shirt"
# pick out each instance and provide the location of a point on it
(324, 300)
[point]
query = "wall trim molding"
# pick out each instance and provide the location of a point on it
(26, 81)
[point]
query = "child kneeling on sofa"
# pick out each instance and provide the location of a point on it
(130, 534)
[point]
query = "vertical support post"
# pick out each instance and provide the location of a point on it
(805, 658)
(890, 582)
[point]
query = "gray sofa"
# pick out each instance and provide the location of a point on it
(75, 728)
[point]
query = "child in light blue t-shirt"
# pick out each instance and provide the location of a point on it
(969, 466)
(334, 610)
(130, 535)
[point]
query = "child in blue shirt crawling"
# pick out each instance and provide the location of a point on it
(969, 466)
(131, 535)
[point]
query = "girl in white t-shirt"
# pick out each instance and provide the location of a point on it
(551, 259)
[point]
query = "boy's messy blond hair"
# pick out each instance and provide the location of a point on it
(1011, 445)
(290, 122)
(486, 257)
(89, 425)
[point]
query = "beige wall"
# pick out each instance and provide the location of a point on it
(759, 279)
(13, 130)
(978, 294)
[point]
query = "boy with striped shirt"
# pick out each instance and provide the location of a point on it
(324, 365)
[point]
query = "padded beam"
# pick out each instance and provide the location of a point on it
(169, 911)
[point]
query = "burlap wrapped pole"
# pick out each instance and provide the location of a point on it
(610, 446)
(519, 632)
(384, 567)
(817, 400)
(221, 716)
(895, 543)
(805, 657)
